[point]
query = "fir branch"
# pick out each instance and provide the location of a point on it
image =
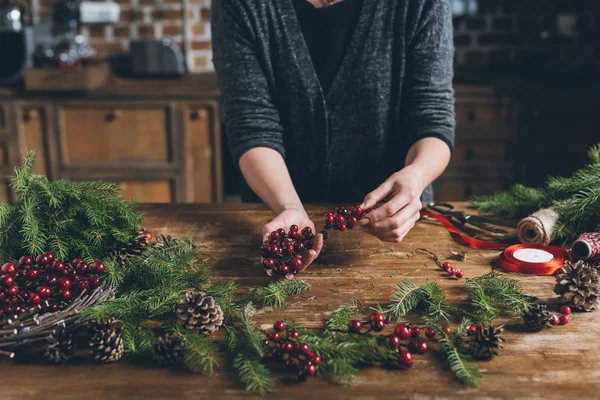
(433, 300)
(275, 293)
(404, 300)
(519, 202)
(137, 338)
(201, 353)
(339, 319)
(254, 375)
(113, 275)
(460, 362)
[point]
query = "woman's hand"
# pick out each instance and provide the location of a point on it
(297, 216)
(401, 193)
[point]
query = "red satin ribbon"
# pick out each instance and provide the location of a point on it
(509, 262)
(460, 237)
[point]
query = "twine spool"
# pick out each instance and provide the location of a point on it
(587, 247)
(538, 228)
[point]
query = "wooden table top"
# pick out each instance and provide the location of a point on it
(562, 362)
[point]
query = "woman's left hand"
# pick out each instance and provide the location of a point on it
(401, 193)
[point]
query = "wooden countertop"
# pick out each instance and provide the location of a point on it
(557, 363)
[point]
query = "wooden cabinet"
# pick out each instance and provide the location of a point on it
(158, 140)
(484, 152)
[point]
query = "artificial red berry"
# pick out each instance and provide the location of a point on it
(281, 232)
(147, 235)
(293, 234)
(563, 319)
(82, 283)
(26, 260)
(393, 341)
(279, 326)
(303, 348)
(269, 263)
(52, 280)
(306, 230)
(8, 280)
(446, 266)
(42, 259)
(351, 221)
(9, 268)
(65, 294)
(274, 336)
(342, 227)
(284, 269)
(287, 347)
(8, 309)
(554, 320)
(430, 333)
(341, 210)
(294, 228)
(275, 235)
(377, 316)
(275, 248)
(471, 329)
(415, 331)
(316, 360)
(64, 283)
(76, 262)
(377, 325)
(98, 267)
(310, 369)
(565, 310)
(355, 326)
(44, 291)
(296, 263)
(50, 257)
(34, 298)
(402, 331)
(12, 290)
(448, 330)
(420, 347)
(451, 271)
(405, 357)
(309, 244)
(83, 269)
(95, 281)
(329, 219)
(294, 334)
(357, 211)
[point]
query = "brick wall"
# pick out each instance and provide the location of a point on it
(151, 19)
(501, 33)
(521, 32)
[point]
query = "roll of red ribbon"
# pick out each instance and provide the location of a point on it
(533, 259)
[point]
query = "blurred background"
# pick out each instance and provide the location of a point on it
(124, 91)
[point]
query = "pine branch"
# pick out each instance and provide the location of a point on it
(460, 362)
(404, 300)
(341, 317)
(254, 375)
(138, 339)
(520, 201)
(433, 300)
(201, 353)
(276, 293)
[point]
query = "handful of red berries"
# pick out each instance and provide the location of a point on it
(297, 356)
(282, 253)
(343, 219)
(404, 331)
(46, 282)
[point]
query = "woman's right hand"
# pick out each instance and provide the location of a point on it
(295, 216)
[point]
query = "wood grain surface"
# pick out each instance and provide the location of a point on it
(557, 363)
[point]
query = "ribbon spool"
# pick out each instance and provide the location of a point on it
(533, 259)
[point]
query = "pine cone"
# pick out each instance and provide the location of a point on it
(60, 347)
(106, 340)
(486, 342)
(579, 286)
(169, 349)
(536, 317)
(135, 248)
(199, 313)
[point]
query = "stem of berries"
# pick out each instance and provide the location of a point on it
(446, 266)
(282, 253)
(297, 356)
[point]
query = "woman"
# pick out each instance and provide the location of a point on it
(323, 100)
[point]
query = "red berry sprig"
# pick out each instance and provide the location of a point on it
(342, 219)
(282, 253)
(45, 282)
(297, 356)
(445, 266)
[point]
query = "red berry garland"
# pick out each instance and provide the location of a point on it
(295, 355)
(282, 253)
(46, 282)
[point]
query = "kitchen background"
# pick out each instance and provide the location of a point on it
(527, 98)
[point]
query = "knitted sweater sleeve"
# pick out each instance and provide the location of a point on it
(428, 98)
(248, 112)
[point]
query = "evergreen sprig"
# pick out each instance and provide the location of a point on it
(341, 316)
(575, 198)
(275, 293)
(460, 362)
(201, 354)
(71, 219)
(433, 300)
(404, 300)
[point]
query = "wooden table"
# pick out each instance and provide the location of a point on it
(562, 362)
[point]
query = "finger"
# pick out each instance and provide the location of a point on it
(377, 195)
(387, 210)
(397, 220)
(312, 254)
(395, 235)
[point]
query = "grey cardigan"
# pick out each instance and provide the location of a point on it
(393, 88)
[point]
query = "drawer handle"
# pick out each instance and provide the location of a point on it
(113, 115)
(199, 115)
(472, 116)
(30, 115)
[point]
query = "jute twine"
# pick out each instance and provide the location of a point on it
(539, 227)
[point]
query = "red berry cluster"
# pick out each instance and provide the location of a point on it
(458, 273)
(46, 282)
(297, 356)
(563, 319)
(404, 331)
(343, 219)
(282, 253)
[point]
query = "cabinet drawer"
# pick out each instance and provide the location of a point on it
(147, 191)
(105, 133)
